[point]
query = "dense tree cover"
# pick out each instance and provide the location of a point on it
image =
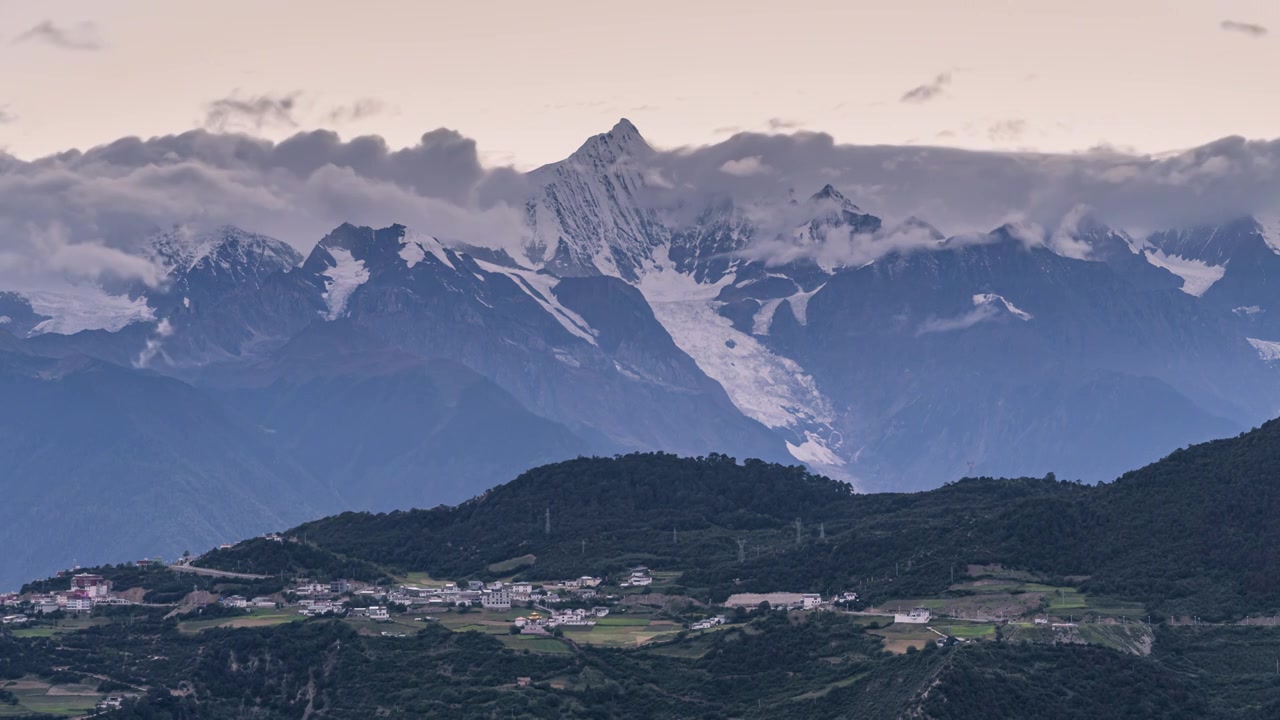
(295, 558)
(1051, 681)
(1196, 533)
(1240, 666)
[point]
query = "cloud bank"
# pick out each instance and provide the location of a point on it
(79, 213)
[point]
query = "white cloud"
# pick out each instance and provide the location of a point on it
(154, 344)
(743, 167)
(102, 201)
(986, 311)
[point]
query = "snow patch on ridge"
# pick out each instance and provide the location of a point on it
(1267, 349)
(771, 389)
(1197, 276)
(989, 298)
(539, 286)
(341, 281)
(416, 246)
(763, 320)
(814, 452)
(1270, 227)
(86, 308)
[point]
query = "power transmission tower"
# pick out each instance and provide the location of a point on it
(742, 550)
(675, 539)
(547, 529)
(797, 532)
(822, 531)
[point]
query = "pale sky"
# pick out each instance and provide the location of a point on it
(531, 80)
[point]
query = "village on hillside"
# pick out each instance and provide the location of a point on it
(637, 607)
(631, 608)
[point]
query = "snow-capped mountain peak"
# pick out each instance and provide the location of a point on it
(588, 217)
(225, 248)
(204, 265)
(622, 141)
(828, 194)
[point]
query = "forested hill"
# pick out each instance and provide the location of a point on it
(1195, 533)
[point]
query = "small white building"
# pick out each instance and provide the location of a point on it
(378, 613)
(496, 600)
(917, 616)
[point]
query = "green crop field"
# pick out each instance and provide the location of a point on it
(969, 631)
(512, 565)
(535, 644)
(35, 697)
(38, 632)
(622, 620)
(264, 617)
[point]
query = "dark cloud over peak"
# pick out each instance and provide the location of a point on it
(1007, 130)
(780, 124)
(928, 91)
(251, 113)
(1244, 28)
(82, 36)
(359, 110)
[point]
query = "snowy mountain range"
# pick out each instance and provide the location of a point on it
(388, 368)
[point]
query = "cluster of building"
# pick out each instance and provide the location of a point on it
(376, 613)
(496, 595)
(917, 616)
(87, 591)
(538, 623)
(316, 608)
(709, 623)
(333, 588)
(640, 577)
(239, 601)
